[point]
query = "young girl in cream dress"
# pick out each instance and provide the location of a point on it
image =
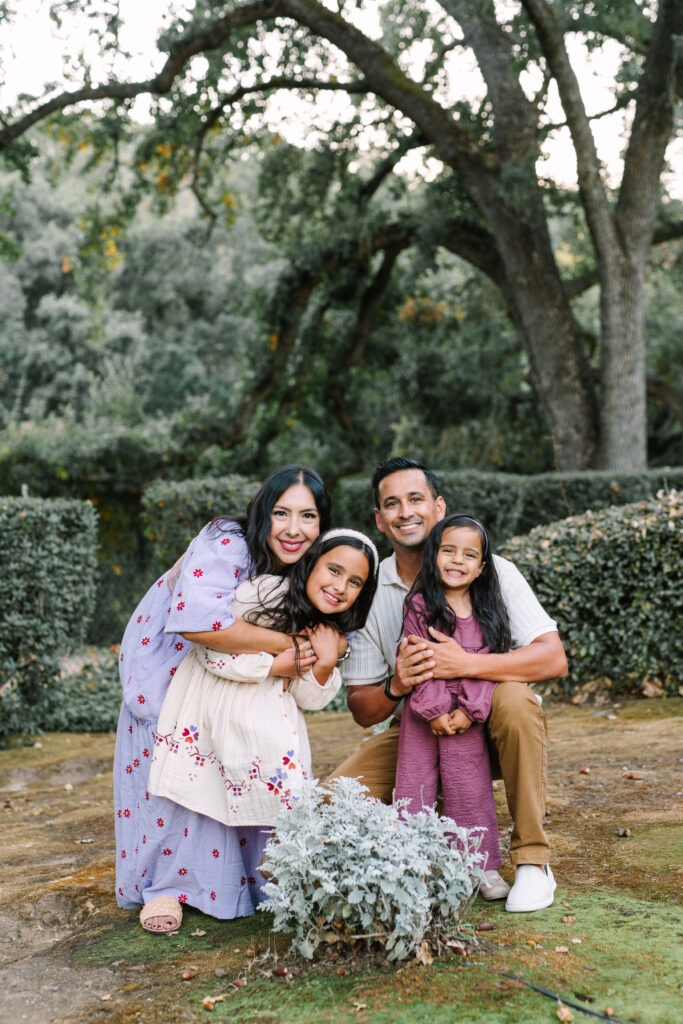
(231, 741)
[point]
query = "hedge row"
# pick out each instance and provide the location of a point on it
(172, 513)
(510, 504)
(47, 592)
(612, 580)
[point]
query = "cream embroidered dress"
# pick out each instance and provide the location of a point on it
(231, 741)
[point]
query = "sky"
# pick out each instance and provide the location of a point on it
(32, 54)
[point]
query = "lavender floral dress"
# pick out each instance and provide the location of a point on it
(161, 847)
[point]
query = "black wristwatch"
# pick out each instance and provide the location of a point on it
(387, 690)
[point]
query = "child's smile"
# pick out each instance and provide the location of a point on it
(459, 558)
(337, 579)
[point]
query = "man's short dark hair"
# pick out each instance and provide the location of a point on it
(395, 465)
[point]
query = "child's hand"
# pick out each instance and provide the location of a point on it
(442, 726)
(459, 721)
(325, 643)
(284, 664)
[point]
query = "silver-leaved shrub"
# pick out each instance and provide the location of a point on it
(343, 866)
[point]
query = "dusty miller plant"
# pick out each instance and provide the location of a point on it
(344, 866)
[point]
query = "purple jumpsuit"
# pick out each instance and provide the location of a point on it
(161, 847)
(461, 762)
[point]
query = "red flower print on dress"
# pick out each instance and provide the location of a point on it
(182, 898)
(243, 842)
(180, 605)
(144, 840)
(179, 646)
(118, 814)
(243, 880)
(145, 752)
(216, 853)
(121, 656)
(129, 769)
(144, 641)
(225, 541)
(139, 618)
(173, 670)
(160, 822)
(212, 895)
(167, 852)
(237, 572)
(136, 763)
(141, 699)
(126, 813)
(252, 880)
(160, 582)
(123, 854)
(216, 626)
(185, 833)
(182, 871)
(120, 891)
(198, 572)
(146, 796)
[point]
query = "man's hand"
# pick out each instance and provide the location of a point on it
(459, 721)
(414, 664)
(450, 660)
(442, 726)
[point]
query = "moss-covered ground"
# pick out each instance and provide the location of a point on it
(611, 940)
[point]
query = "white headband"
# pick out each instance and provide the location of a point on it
(359, 536)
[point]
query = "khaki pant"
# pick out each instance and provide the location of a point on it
(517, 741)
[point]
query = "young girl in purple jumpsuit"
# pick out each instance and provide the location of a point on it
(442, 737)
(165, 852)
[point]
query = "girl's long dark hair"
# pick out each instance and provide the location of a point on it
(256, 524)
(488, 606)
(294, 611)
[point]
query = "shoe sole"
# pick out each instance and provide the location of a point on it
(527, 909)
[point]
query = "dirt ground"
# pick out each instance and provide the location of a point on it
(615, 783)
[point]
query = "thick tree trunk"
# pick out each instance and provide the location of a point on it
(623, 411)
(559, 369)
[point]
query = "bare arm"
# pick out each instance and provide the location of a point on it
(242, 638)
(543, 658)
(369, 704)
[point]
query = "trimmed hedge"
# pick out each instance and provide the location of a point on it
(173, 513)
(47, 592)
(612, 580)
(508, 504)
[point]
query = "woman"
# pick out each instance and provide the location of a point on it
(164, 850)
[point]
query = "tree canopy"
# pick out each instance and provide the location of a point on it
(346, 222)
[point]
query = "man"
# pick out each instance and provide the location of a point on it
(378, 677)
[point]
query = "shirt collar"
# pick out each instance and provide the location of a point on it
(388, 573)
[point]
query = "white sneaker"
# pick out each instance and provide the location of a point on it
(493, 886)
(533, 889)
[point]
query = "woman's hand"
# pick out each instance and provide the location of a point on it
(285, 664)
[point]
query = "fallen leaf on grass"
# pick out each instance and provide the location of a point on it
(458, 947)
(240, 982)
(423, 955)
(589, 968)
(359, 1006)
(564, 1013)
(632, 775)
(561, 949)
(106, 998)
(280, 972)
(189, 973)
(609, 1012)
(585, 771)
(198, 932)
(568, 919)
(208, 1002)
(485, 926)
(576, 942)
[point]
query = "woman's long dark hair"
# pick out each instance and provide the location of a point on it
(488, 607)
(294, 611)
(256, 524)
